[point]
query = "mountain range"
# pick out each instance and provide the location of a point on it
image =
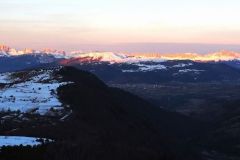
(123, 57)
(130, 68)
(119, 106)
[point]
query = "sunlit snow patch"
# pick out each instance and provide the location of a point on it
(181, 65)
(190, 70)
(147, 68)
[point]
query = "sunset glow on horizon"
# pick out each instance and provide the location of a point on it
(72, 24)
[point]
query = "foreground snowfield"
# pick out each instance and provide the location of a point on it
(33, 91)
(18, 140)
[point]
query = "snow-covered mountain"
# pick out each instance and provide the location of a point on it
(121, 68)
(8, 51)
(121, 57)
(157, 57)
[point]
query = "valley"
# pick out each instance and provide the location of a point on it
(192, 99)
(214, 103)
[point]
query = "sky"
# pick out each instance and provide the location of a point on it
(88, 24)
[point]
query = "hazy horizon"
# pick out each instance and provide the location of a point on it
(158, 47)
(74, 24)
(140, 47)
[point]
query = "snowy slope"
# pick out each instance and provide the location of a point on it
(19, 140)
(33, 91)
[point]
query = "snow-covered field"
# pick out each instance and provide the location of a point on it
(147, 68)
(181, 65)
(18, 140)
(190, 70)
(153, 67)
(36, 93)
